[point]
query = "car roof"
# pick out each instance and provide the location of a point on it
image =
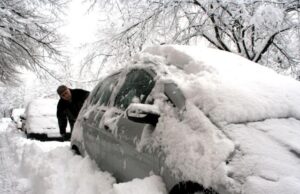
(224, 85)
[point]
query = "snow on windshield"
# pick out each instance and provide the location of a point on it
(42, 107)
(41, 116)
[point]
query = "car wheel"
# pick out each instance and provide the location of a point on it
(75, 150)
(190, 188)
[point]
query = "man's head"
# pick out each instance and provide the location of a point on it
(64, 92)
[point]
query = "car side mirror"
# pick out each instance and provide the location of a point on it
(143, 113)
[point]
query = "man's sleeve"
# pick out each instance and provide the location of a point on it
(62, 118)
(86, 94)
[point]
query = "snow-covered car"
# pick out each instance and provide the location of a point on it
(15, 116)
(40, 121)
(204, 120)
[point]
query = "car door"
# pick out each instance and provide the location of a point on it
(99, 143)
(136, 161)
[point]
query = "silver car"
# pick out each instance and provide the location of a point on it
(141, 121)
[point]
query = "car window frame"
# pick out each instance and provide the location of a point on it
(170, 88)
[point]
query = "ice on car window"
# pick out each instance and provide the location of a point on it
(138, 84)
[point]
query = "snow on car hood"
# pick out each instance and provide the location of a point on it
(241, 128)
(267, 156)
(40, 124)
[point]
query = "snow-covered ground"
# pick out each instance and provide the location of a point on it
(34, 167)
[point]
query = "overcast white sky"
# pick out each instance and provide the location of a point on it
(81, 24)
(80, 28)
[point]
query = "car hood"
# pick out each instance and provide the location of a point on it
(40, 124)
(266, 158)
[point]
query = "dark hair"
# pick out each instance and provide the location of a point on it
(61, 89)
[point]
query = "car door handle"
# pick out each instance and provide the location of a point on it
(101, 109)
(117, 113)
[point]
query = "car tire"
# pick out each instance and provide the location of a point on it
(75, 150)
(190, 187)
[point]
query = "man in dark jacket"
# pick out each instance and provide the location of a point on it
(68, 107)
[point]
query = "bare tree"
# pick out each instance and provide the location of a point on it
(262, 31)
(11, 97)
(28, 35)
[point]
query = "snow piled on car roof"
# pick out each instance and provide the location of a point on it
(241, 127)
(229, 88)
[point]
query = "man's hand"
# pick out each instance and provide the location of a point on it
(63, 137)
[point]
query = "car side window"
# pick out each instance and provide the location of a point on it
(138, 85)
(106, 88)
(94, 97)
(103, 90)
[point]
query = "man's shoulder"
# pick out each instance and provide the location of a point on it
(78, 90)
(79, 94)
